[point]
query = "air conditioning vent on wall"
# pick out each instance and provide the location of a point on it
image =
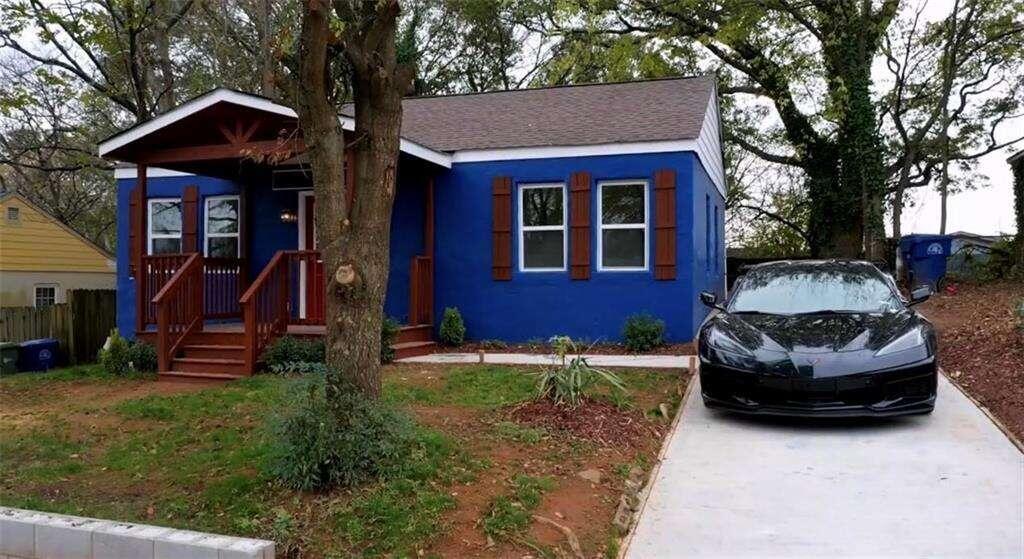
(291, 179)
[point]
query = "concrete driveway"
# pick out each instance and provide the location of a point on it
(945, 485)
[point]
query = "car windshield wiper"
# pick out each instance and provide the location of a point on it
(827, 311)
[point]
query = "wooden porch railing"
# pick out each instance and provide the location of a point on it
(267, 307)
(224, 282)
(179, 309)
(421, 290)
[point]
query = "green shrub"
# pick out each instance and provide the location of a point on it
(299, 368)
(116, 357)
(321, 443)
(643, 332)
(289, 349)
(453, 330)
(388, 334)
(142, 357)
(568, 383)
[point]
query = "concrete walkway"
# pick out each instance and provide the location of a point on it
(946, 485)
(644, 361)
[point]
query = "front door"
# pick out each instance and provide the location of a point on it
(311, 280)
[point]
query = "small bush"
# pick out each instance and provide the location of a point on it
(643, 332)
(388, 334)
(321, 443)
(568, 384)
(453, 330)
(289, 349)
(116, 356)
(299, 368)
(142, 357)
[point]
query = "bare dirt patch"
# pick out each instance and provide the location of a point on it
(596, 421)
(981, 346)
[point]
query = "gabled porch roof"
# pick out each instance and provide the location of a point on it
(211, 133)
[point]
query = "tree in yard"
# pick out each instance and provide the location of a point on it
(357, 36)
(812, 61)
(955, 82)
(1017, 163)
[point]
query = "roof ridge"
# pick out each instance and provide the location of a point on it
(560, 86)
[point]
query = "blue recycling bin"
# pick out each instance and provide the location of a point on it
(924, 257)
(38, 355)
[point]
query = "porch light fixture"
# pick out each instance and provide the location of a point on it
(289, 216)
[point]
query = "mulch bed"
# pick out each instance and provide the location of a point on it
(596, 421)
(981, 346)
(687, 348)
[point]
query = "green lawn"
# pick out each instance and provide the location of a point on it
(79, 441)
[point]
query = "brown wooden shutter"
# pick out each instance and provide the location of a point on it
(190, 219)
(501, 219)
(134, 220)
(579, 224)
(665, 224)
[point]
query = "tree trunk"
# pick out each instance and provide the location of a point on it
(354, 242)
(268, 62)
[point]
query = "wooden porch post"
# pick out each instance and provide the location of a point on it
(141, 246)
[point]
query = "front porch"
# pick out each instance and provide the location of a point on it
(222, 257)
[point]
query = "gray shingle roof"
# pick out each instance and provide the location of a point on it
(667, 109)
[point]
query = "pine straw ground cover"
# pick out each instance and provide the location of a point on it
(981, 345)
(79, 441)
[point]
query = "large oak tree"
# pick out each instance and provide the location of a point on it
(357, 36)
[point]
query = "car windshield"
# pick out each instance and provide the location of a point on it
(814, 288)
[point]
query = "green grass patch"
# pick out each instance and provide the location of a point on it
(510, 515)
(482, 386)
(511, 431)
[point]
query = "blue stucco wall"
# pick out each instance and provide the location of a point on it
(541, 304)
(269, 235)
(708, 269)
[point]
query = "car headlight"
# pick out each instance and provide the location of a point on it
(910, 340)
(724, 342)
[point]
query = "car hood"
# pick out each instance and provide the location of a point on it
(816, 333)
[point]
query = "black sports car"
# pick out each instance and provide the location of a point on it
(823, 337)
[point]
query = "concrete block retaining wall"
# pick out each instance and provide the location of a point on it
(26, 534)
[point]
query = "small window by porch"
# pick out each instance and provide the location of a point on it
(222, 227)
(45, 295)
(164, 226)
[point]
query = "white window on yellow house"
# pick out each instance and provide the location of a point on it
(46, 295)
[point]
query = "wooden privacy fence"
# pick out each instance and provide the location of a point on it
(81, 324)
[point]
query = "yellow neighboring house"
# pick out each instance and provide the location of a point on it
(41, 258)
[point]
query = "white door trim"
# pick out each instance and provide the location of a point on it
(302, 195)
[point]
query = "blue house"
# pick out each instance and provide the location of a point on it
(535, 212)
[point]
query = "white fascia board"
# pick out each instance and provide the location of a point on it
(151, 172)
(707, 159)
(253, 102)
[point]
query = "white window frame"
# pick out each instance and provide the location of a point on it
(206, 224)
(35, 292)
(564, 227)
(601, 226)
(149, 223)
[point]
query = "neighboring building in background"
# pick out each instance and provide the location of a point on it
(41, 258)
(969, 249)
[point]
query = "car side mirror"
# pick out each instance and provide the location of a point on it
(710, 300)
(920, 294)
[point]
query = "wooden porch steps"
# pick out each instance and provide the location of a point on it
(218, 355)
(183, 376)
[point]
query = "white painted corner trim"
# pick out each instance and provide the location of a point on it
(254, 102)
(151, 172)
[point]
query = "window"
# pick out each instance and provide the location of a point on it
(222, 227)
(717, 266)
(13, 213)
(46, 295)
(622, 213)
(707, 233)
(165, 225)
(542, 237)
